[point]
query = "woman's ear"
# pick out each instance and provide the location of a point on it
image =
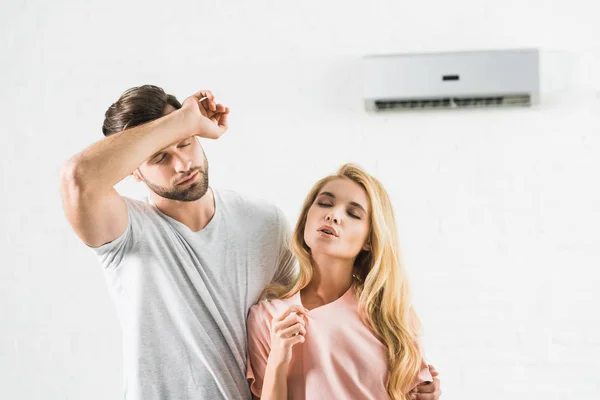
(367, 247)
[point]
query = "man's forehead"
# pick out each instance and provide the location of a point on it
(168, 109)
(171, 145)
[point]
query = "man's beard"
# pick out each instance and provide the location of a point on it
(192, 192)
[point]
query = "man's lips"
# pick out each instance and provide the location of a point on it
(189, 178)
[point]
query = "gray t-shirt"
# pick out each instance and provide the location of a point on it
(182, 297)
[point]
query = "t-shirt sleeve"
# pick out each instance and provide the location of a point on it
(259, 347)
(112, 253)
(286, 268)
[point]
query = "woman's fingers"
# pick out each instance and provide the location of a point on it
(289, 321)
(296, 329)
(292, 309)
(295, 340)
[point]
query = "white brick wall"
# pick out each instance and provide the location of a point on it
(498, 210)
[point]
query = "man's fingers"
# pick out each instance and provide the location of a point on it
(204, 93)
(425, 396)
(223, 119)
(434, 372)
(204, 107)
(210, 101)
(219, 116)
(427, 391)
(210, 109)
(425, 387)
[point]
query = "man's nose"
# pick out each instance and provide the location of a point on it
(182, 163)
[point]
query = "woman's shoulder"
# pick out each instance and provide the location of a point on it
(270, 308)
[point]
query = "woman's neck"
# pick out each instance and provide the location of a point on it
(331, 279)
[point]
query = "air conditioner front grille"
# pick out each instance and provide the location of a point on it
(453, 102)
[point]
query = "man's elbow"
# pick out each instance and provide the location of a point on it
(72, 176)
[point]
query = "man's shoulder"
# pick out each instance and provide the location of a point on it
(250, 206)
(141, 207)
(142, 204)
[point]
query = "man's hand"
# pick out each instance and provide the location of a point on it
(209, 118)
(428, 390)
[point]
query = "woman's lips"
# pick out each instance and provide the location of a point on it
(327, 231)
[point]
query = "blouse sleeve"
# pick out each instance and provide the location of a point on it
(259, 347)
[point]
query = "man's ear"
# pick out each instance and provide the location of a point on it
(137, 176)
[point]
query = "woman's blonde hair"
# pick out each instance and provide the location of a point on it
(380, 280)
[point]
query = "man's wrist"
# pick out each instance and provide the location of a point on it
(188, 122)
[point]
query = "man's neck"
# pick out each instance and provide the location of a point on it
(193, 214)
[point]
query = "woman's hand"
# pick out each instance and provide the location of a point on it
(287, 330)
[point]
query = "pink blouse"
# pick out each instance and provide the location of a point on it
(340, 359)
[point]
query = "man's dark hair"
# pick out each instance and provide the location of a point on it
(137, 106)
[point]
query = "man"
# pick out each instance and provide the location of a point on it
(184, 267)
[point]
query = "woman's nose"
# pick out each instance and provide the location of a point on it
(332, 217)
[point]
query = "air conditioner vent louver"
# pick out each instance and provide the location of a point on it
(453, 102)
(451, 80)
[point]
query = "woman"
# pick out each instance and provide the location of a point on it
(345, 328)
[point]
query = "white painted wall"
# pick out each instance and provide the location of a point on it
(499, 210)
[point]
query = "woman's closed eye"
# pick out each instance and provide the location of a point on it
(353, 215)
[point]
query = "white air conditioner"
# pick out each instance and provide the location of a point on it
(451, 80)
